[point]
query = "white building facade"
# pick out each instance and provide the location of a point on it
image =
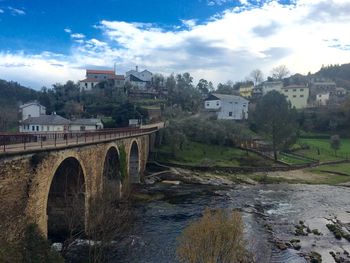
(31, 109)
(297, 95)
(227, 107)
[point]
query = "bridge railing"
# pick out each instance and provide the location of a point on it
(10, 142)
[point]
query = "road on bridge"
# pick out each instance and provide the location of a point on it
(28, 142)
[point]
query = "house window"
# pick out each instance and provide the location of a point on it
(294, 96)
(48, 128)
(301, 96)
(37, 128)
(244, 105)
(230, 114)
(217, 103)
(236, 102)
(301, 89)
(294, 90)
(285, 90)
(208, 104)
(33, 128)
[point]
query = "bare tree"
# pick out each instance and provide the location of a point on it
(257, 76)
(280, 72)
(217, 237)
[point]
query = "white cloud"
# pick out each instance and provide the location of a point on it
(2, 11)
(228, 46)
(77, 35)
(68, 30)
(16, 11)
(189, 23)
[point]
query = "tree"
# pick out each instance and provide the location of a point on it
(280, 72)
(257, 76)
(203, 86)
(276, 120)
(335, 143)
(126, 111)
(217, 237)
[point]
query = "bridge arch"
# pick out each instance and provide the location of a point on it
(112, 181)
(66, 200)
(134, 162)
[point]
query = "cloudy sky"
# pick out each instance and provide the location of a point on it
(45, 42)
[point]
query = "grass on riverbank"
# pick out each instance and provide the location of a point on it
(342, 168)
(320, 149)
(324, 174)
(199, 154)
(292, 159)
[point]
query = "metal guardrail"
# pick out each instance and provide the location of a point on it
(17, 142)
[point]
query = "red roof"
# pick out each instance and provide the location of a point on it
(96, 71)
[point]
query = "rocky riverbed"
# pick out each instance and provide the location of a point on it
(284, 222)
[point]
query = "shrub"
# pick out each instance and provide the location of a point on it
(217, 237)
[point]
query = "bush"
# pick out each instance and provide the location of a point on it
(33, 248)
(217, 237)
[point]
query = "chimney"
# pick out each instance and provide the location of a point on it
(137, 68)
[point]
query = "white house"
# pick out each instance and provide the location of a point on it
(297, 95)
(34, 119)
(139, 79)
(322, 98)
(268, 86)
(87, 84)
(31, 109)
(95, 76)
(45, 123)
(86, 125)
(227, 107)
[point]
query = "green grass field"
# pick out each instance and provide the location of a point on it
(325, 152)
(211, 155)
(343, 168)
(293, 159)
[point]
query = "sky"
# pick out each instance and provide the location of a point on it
(46, 42)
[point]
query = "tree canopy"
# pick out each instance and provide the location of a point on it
(275, 119)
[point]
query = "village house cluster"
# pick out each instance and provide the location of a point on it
(33, 119)
(316, 93)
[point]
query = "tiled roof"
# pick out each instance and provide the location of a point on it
(47, 120)
(227, 97)
(35, 102)
(96, 71)
(86, 121)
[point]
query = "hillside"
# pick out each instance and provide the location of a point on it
(340, 74)
(11, 95)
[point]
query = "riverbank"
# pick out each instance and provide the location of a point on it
(336, 174)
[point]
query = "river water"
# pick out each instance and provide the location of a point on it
(281, 206)
(158, 223)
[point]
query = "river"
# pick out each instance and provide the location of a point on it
(280, 206)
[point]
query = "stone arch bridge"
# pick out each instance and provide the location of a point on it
(35, 180)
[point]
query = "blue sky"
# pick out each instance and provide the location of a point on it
(44, 42)
(42, 26)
